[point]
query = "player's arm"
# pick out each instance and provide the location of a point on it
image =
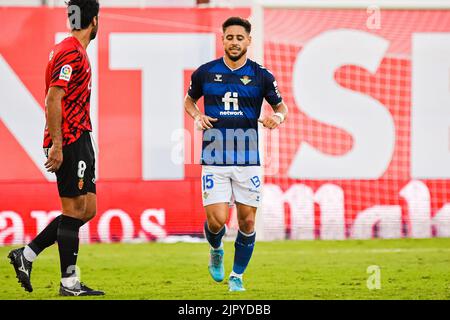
(54, 119)
(277, 118)
(66, 61)
(273, 97)
(202, 122)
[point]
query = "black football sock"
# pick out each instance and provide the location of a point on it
(68, 244)
(46, 237)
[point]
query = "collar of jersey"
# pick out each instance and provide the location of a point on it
(223, 59)
(77, 43)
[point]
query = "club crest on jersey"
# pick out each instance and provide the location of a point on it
(66, 73)
(80, 184)
(218, 78)
(246, 80)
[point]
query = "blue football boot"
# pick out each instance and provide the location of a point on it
(216, 268)
(235, 284)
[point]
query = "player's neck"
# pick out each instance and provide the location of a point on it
(235, 64)
(83, 36)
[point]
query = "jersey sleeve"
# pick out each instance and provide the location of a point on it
(63, 68)
(271, 92)
(196, 87)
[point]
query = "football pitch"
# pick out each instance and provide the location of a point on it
(408, 269)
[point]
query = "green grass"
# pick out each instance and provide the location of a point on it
(410, 269)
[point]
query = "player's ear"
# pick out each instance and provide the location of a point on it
(95, 21)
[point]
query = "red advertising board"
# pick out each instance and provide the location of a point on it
(362, 153)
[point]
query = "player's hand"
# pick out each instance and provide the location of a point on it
(271, 122)
(203, 122)
(55, 159)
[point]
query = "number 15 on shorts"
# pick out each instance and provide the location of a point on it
(207, 182)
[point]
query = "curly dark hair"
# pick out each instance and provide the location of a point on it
(237, 21)
(88, 10)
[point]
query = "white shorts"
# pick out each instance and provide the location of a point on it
(231, 183)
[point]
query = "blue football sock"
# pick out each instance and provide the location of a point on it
(243, 251)
(214, 239)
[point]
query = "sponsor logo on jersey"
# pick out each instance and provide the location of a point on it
(275, 86)
(218, 78)
(231, 100)
(231, 113)
(66, 73)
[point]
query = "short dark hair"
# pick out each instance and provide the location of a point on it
(88, 9)
(237, 21)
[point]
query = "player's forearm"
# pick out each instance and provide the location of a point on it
(281, 108)
(54, 119)
(191, 108)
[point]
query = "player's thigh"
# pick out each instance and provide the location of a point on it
(76, 176)
(91, 206)
(74, 207)
(246, 184)
(216, 194)
(216, 185)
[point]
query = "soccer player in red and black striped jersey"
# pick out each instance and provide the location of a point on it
(69, 149)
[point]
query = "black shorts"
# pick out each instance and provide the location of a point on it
(76, 176)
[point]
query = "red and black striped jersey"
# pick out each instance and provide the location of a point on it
(69, 68)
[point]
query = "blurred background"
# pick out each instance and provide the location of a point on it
(364, 152)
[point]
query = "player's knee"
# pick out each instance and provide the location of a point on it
(79, 209)
(89, 215)
(215, 227)
(247, 225)
(215, 224)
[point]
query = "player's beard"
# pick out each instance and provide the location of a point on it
(236, 58)
(94, 33)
